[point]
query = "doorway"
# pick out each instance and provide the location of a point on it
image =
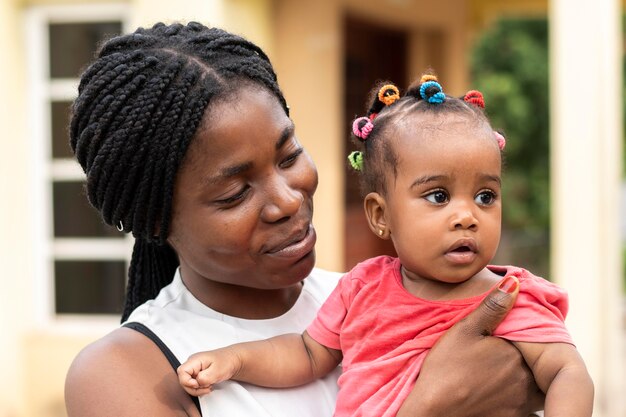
(373, 52)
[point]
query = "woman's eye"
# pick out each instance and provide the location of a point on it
(437, 197)
(291, 159)
(485, 198)
(234, 199)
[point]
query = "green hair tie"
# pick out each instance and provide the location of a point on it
(356, 160)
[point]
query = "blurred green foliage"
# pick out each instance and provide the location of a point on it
(509, 65)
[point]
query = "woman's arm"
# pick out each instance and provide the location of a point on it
(283, 361)
(469, 373)
(561, 373)
(124, 374)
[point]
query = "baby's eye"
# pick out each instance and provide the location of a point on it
(485, 198)
(437, 197)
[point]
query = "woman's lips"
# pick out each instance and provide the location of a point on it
(297, 248)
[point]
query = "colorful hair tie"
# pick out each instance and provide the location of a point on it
(388, 94)
(432, 92)
(362, 127)
(356, 160)
(428, 77)
(500, 139)
(475, 97)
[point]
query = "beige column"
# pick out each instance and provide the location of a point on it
(586, 134)
(249, 18)
(252, 19)
(147, 12)
(16, 310)
(456, 59)
(308, 62)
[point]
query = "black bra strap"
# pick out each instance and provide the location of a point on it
(163, 348)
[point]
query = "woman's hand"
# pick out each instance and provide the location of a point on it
(470, 373)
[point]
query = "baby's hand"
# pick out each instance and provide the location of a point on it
(198, 374)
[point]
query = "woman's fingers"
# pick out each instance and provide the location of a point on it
(468, 373)
(492, 310)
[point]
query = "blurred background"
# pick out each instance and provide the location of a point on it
(551, 73)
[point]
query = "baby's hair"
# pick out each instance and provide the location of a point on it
(139, 105)
(375, 155)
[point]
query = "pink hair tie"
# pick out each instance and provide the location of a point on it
(362, 127)
(500, 139)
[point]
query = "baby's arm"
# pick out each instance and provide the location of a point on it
(282, 361)
(561, 373)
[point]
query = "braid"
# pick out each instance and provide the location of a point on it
(124, 149)
(146, 259)
(139, 105)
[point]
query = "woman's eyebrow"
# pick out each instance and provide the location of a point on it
(285, 135)
(235, 170)
(226, 173)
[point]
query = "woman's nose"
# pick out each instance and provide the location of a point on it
(281, 202)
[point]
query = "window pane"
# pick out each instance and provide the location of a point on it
(74, 217)
(72, 45)
(89, 287)
(60, 115)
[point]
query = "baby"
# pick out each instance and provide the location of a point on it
(430, 166)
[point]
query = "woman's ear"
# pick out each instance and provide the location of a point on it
(375, 207)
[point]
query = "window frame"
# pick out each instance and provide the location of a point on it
(42, 91)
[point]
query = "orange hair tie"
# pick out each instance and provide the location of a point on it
(428, 77)
(388, 94)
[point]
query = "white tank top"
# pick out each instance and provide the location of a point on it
(187, 326)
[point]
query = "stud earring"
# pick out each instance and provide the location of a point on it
(380, 232)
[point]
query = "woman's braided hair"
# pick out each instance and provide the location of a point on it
(139, 105)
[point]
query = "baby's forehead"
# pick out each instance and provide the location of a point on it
(441, 118)
(442, 126)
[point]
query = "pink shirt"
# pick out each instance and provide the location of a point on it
(384, 332)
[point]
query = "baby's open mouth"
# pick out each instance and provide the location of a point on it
(462, 249)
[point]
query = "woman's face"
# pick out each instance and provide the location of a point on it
(243, 198)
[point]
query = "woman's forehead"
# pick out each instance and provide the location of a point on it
(236, 128)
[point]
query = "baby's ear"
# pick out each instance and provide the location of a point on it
(375, 207)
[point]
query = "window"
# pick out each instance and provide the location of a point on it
(82, 262)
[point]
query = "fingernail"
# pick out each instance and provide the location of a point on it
(508, 285)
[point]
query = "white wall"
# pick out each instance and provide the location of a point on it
(586, 158)
(17, 274)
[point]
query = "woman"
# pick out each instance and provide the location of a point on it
(185, 138)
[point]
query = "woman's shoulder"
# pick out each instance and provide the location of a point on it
(124, 374)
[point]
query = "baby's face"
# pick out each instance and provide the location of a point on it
(443, 208)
